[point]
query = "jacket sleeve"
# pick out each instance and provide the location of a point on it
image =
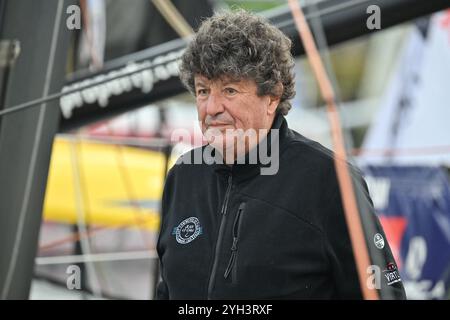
(162, 290)
(382, 273)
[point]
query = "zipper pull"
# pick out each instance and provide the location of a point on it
(230, 265)
(232, 261)
(234, 246)
(237, 219)
(232, 258)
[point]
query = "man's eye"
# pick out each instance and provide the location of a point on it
(230, 91)
(202, 92)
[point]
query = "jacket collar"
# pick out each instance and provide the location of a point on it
(248, 170)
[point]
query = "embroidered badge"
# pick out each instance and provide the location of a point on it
(187, 230)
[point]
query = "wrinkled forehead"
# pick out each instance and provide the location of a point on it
(223, 79)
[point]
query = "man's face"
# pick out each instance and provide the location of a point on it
(225, 106)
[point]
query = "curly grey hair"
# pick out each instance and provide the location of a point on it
(241, 45)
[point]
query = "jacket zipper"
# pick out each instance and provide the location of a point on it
(236, 229)
(223, 212)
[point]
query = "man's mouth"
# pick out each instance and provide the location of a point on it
(218, 125)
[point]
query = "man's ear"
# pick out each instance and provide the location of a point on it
(275, 99)
(273, 104)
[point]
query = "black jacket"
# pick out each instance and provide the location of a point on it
(232, 233)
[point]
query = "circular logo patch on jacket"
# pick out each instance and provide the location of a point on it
(187, 230)
(379, 241)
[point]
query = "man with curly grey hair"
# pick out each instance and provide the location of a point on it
(230, 232)
(249, 64)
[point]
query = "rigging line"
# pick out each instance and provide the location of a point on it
(322, 44)
(72, 238)
(340, 159)
(317, 14)
(57, 95)
(173, 17)
(81, 222)
(98, 257)
(76, 236)
(426, 150)
(60, 94)
(34, 154)
(103, 285)
(347, 140)
(128, 186)
(135, 141)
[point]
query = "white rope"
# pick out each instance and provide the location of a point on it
(112, 256)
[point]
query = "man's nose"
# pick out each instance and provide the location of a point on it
(214, 105)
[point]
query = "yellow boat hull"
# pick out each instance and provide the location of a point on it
(104, 185)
